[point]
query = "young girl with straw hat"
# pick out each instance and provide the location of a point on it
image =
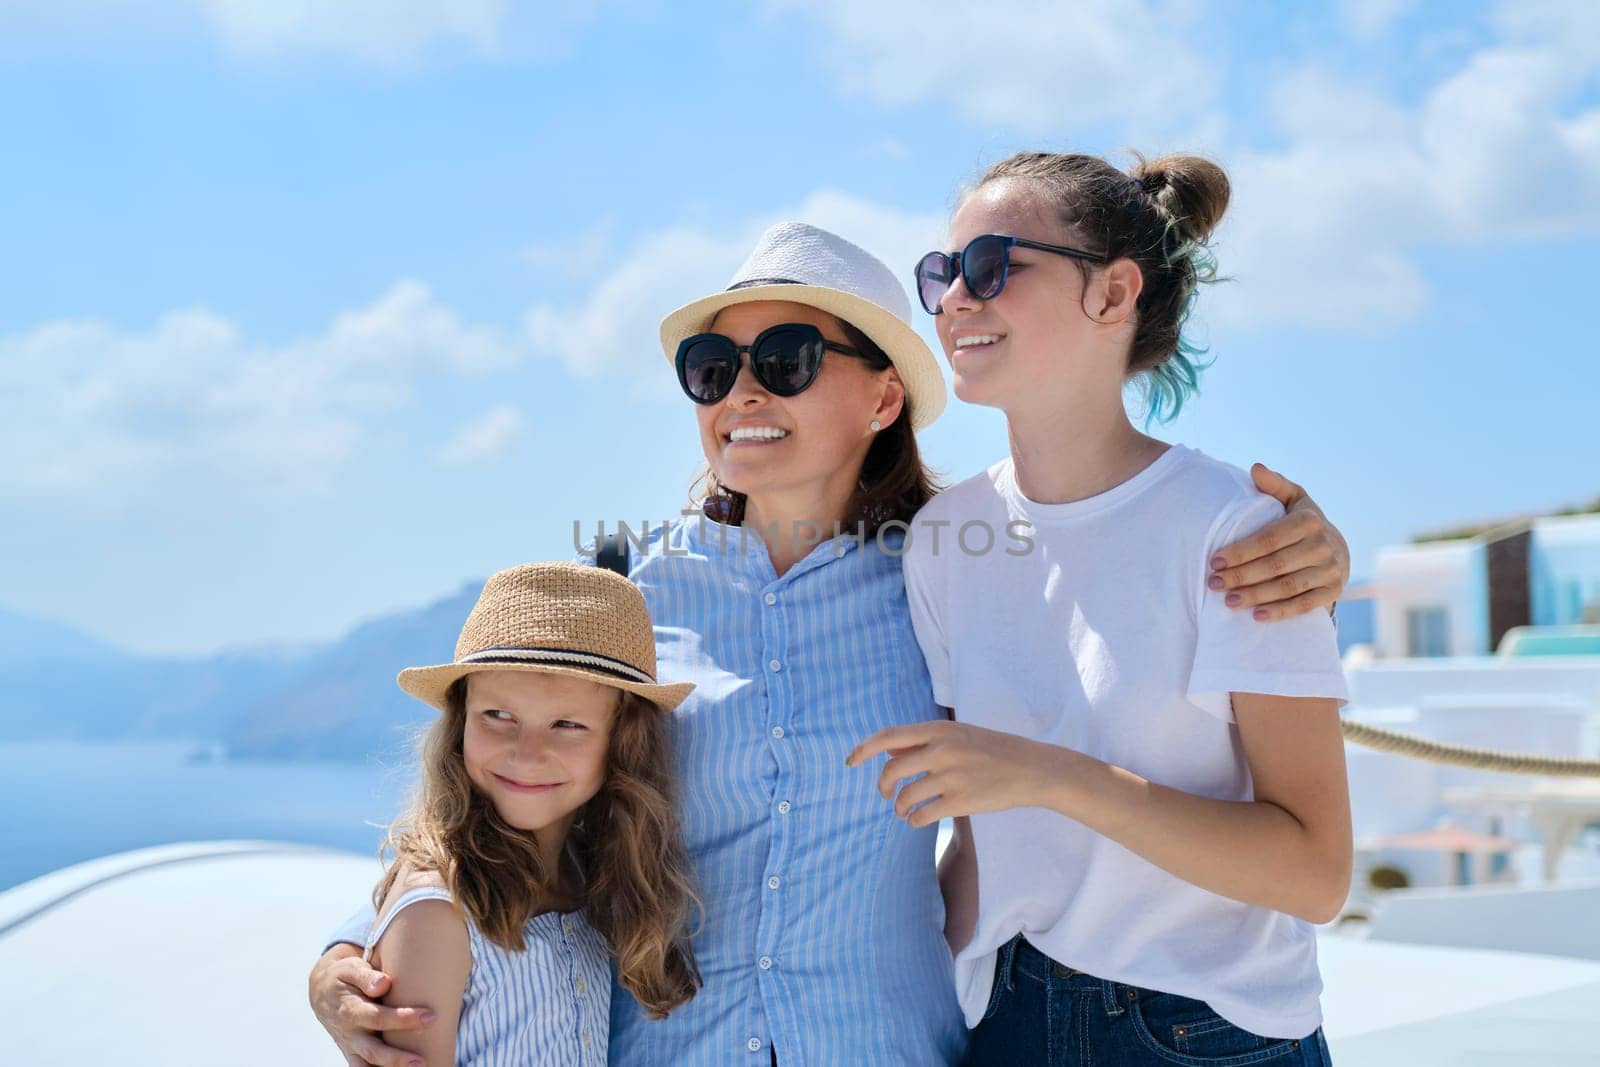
(823, 940)
(542, 841)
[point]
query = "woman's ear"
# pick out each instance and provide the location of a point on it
(1114, 292)
(892, 399)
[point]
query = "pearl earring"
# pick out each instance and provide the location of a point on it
(876, 425)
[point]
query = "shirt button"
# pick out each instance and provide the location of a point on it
(774, 666)
(772, 883)
(579, 987)
(765, 963)
(783, 807)
(771, 599)
(754, 1044)
(586, 1041)
(777, 731)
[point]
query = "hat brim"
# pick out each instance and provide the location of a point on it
(430, 684)
(909, 353)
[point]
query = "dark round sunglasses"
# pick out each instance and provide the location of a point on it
(785, 359)
(983, 265)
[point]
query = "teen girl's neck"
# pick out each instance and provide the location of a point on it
(1062, 464)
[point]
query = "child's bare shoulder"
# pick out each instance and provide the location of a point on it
(408, 878)
(411, 878)
(430, 931)
(428, 926)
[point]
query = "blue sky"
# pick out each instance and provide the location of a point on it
(311, 311)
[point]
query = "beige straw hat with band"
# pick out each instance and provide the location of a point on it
(802, 263)
(555, 618)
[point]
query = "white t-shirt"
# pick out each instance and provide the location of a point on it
(1103, 637)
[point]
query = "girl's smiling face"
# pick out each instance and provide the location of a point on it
(1036, 339)
(537, 745)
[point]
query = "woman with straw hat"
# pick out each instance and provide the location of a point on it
(784, 603)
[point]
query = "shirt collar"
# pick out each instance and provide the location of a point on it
(739, 547)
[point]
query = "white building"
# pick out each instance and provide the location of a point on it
(1460, 597)
(1441, 609)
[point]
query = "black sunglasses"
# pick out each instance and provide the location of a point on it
(984, 265)
(785, 359)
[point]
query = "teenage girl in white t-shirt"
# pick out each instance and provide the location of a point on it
(1149, 788)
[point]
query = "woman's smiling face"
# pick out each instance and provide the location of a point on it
(758, 443)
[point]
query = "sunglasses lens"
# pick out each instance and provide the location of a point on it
(983, 265)
(707, 369)
(786, 359)
(934, 275)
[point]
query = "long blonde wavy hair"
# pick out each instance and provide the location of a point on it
(638, 891)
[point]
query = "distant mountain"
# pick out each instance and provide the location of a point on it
(56, 681)
(343, 704)
(334, 701)
(24, 639)
(319, 702)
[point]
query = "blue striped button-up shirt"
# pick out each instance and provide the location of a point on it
(823, 935)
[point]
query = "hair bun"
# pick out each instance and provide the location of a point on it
(1194, 191)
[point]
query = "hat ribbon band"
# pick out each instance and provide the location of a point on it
(560, 657)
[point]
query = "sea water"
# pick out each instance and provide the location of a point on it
(64, 802)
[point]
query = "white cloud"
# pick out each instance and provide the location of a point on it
(391, 34)
(1324, 225)
(1042, 69)
(486, 439)
(1323, 230)
(580, 256)
(1572, 24)
(892, 148)
(98, 410)
(191, 400)
(1367, 20)
(408, 328)
(385, 32)
(615, 327)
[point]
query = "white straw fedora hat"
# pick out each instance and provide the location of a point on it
(555, 618)
(808, 265)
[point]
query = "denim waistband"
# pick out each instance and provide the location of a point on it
(1020, 960)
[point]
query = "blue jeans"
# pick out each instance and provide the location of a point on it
(1045, 1013)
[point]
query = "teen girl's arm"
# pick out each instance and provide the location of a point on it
(1289, 849)
(426, 953)
(1297, 564)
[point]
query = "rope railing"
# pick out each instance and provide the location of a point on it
(1482, 759)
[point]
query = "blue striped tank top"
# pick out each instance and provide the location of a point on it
(546, 1006)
